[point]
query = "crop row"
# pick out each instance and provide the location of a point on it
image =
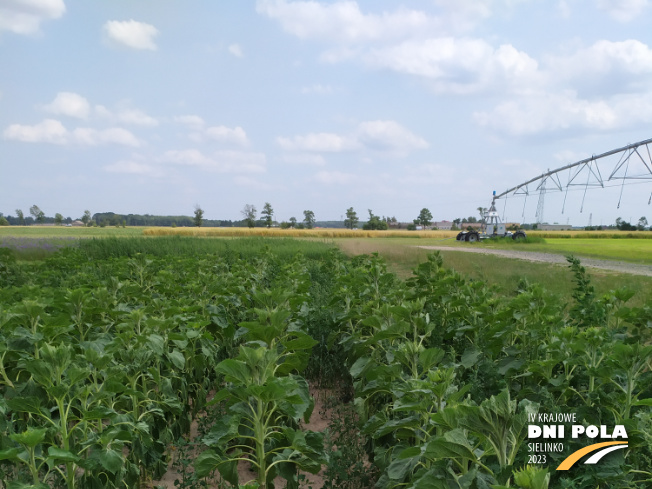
(105, 363)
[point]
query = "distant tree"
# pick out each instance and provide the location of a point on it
(199, 216)
(374, 223)
(86, 218)
(37, 213)
(471, 219)
(268, 213)
(457, 221)
(58, 219)
(285, 225)
(3, 220)
(309, 219)
(482, 211)
(624, 225)
(293, 222)
(351, 220)
(424, 218)
(642, 223)
(21, 217)
(412, 227)
(249, 213)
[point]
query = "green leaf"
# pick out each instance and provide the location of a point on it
(9, 454)
(400, 468)
(111, 460)
(470, 357)
(223, 431)
(29, 438)
(431, 357)
(234, 371)
(177, 358)
(60, 454)
(359, 366)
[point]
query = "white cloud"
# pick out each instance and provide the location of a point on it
(252, 183)
(564, 9)
(25, 16)
(318, 142)
(623, 10)
(93, 137)
(48, 131)
(236, 50)
(343, 21)
(630, 57)
(193, 121)
(459, 65)
(225, 134)
(70, 104)
(308, 159)
(318, 89)
(221, 161)
(53, 131)
(134, 168)
(557, 112)
(427, 174)
(386, 136)
(133, 34)
(134, 117)
(335, 178)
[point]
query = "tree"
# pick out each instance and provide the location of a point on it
(249, 213)
(58, 219)
(86, 218)
(624, 225)
(375, 223)
(293, 222)
(268, 212)
(199, 216)
(482, 211)
(309, 219)
(38, 214)
(3, 220)
(424, 218)
(642, 223)
(351, 220)
(21, 217)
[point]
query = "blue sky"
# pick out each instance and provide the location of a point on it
(155, 106)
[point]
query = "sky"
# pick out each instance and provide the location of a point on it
(156, 106)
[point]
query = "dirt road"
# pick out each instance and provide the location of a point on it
(614, 266)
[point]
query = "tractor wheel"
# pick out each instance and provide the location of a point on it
(460, 236)
(472, 237)
(518, 236)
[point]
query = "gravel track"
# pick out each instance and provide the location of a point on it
(611, 265)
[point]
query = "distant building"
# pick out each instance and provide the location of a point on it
(444, 225)
(554, 227)
(77, 223)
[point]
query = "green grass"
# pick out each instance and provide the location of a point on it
(101, 248)
(502, 273)
(622, 249)
(63, 231)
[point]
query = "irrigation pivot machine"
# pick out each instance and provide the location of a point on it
(633, 165)
(492, 227)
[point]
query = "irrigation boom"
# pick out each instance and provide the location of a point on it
(641, 150)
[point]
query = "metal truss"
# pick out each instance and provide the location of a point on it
(634, 163)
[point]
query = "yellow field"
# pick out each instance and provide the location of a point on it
(294, 233)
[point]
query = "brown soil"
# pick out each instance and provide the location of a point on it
(319, 421)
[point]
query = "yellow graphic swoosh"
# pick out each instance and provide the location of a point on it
(575, 456)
